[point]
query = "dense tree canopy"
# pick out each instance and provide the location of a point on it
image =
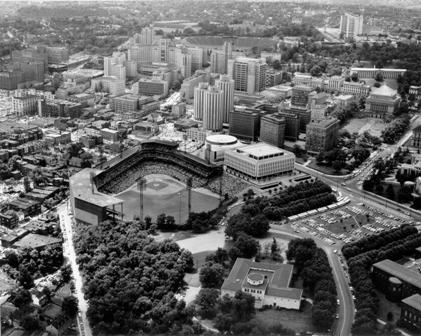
(130, 279)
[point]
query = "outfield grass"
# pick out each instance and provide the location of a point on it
(173, 201)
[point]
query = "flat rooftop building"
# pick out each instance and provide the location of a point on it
(260, 163)
(267, 283)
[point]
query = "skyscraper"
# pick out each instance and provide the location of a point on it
(212, 109)
(351, 25)
(272, 129)
(249, 74)
(115, 66)
(219, 58)
(226, 85)
(199, 93)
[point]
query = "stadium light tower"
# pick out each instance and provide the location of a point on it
(141, 184)
(189, 186)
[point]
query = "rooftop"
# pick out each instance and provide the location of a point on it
(82, 187)
(261, 149)
(400, 272)
(275, 279)
(384, 90)
(413, 301)
(33, 240)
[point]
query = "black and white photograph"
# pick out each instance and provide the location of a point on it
(210, 167)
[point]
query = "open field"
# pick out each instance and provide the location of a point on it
(299, 321)
(163, 194)
(373, 125)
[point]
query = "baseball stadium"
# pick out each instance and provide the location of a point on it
(148, 180)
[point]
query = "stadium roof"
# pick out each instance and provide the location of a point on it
(413, 301)
(84, 189)
(400, 272)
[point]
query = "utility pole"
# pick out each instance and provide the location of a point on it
(141, 184)
(189, 186)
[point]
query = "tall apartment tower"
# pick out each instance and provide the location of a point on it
(183, 61)
(249, 74)
(145, 37)
(226, 85)
(351, 25)
(198, 58)
(199, 93)
(212, 109)
(272, 129)
(115, 66)
(219, 59)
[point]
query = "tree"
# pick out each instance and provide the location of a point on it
(379, 77)
(211, 275)
(246, 246)
(70, 306)
(160, 221)
(66, 272)
(25, 278)
(148, 222)
(206, 301)
(30, 323)
(22, 298)
(337, 165)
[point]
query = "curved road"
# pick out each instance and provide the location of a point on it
(346, 308)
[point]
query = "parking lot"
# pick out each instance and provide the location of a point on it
(346, 224)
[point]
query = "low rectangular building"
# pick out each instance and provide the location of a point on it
(259, 163)
(386, 269)
(269, 284)
(411, 312)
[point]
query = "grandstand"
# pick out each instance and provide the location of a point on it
(159, 157)
(152, 157)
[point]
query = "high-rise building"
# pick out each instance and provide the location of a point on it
(245, 123)
(226, 84)
(114, 66)
(141, 54)
(219, 58)
(212, 109)
(199, 93)
(249, 74)
(292, 125)
(321, 135)
(183, 61)
(272, 129)
(189, 84)
(351, 25)
(145, 37)
(198, 57)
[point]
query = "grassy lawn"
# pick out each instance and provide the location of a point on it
(323, 169)
(299, 321)
(373, 125)
(386, 306)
